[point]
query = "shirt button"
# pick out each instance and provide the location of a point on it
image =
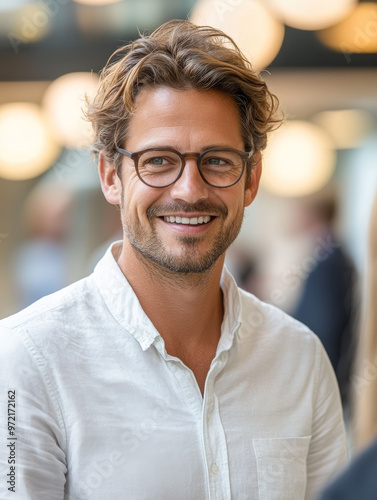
(214, 469)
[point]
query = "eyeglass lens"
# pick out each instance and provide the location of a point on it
(219, 168)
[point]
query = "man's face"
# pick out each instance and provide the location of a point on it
(188, 121)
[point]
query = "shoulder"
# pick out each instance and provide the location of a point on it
(268, 321)
(282, 342)
(50, 315)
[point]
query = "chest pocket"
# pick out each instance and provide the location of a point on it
(281, 467)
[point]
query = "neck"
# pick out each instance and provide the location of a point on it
(186, 309)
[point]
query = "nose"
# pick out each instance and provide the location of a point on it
(190, 187)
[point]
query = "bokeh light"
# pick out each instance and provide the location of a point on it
(357, 33)
(64, 102)
(96, 2)
(25, 22)
(299, 160)
(26, 146)
(257, 33)
(311, 14)
(348, 128)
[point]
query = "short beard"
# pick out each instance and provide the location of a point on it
(151, 250)
(184, 266)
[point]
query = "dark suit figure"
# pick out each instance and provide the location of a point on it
(326, 307)
(359, 481)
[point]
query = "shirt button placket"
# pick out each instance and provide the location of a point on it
(214, 443)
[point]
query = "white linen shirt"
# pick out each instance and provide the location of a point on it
(103, 412)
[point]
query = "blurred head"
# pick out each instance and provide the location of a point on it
(46, 212)
(366, 379)
(181, 56)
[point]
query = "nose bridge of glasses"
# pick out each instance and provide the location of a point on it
(188, 156)
(190, 184)
(191, 172)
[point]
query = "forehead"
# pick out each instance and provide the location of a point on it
(185, 119)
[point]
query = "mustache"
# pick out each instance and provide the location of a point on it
(201, 206)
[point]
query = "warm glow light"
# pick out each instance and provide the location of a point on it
(257, 33)
(311, 14)
(347, 127)
(26, 147)
(96, 2)
(299, 160)
(25, 22)
(64, 102)
(357, 33)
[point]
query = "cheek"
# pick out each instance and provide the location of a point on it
(136, 200)
(130, 187)
(234, 201)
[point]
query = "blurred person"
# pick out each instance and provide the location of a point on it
(242, 266)
(111, 231)
(156, 377)
(359, 481)
(327, 300)
(41, 261)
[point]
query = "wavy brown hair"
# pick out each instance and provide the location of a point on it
(179, 55)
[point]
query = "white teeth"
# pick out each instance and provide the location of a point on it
(186, 220)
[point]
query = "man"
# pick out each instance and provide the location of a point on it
(156, 377)
(327, 300)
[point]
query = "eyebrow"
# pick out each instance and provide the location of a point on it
(205, 148)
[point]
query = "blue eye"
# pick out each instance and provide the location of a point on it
(215, 161)
(158, 160)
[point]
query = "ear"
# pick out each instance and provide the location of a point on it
(253, 183)
(110, 182)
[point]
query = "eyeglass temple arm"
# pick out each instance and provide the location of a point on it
(124, 152)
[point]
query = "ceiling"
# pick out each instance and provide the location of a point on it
(81, 38)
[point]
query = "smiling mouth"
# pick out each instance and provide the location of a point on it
(192, 221)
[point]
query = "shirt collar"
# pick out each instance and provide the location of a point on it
(125, 307)
(232, 310)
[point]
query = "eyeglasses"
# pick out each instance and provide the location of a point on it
(161, 167)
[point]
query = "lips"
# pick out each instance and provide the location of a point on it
(192, 221)
(179, 213)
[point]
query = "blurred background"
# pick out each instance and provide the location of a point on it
(303, 242)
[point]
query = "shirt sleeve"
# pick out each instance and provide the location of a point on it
(327, 449)
(32, 460)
